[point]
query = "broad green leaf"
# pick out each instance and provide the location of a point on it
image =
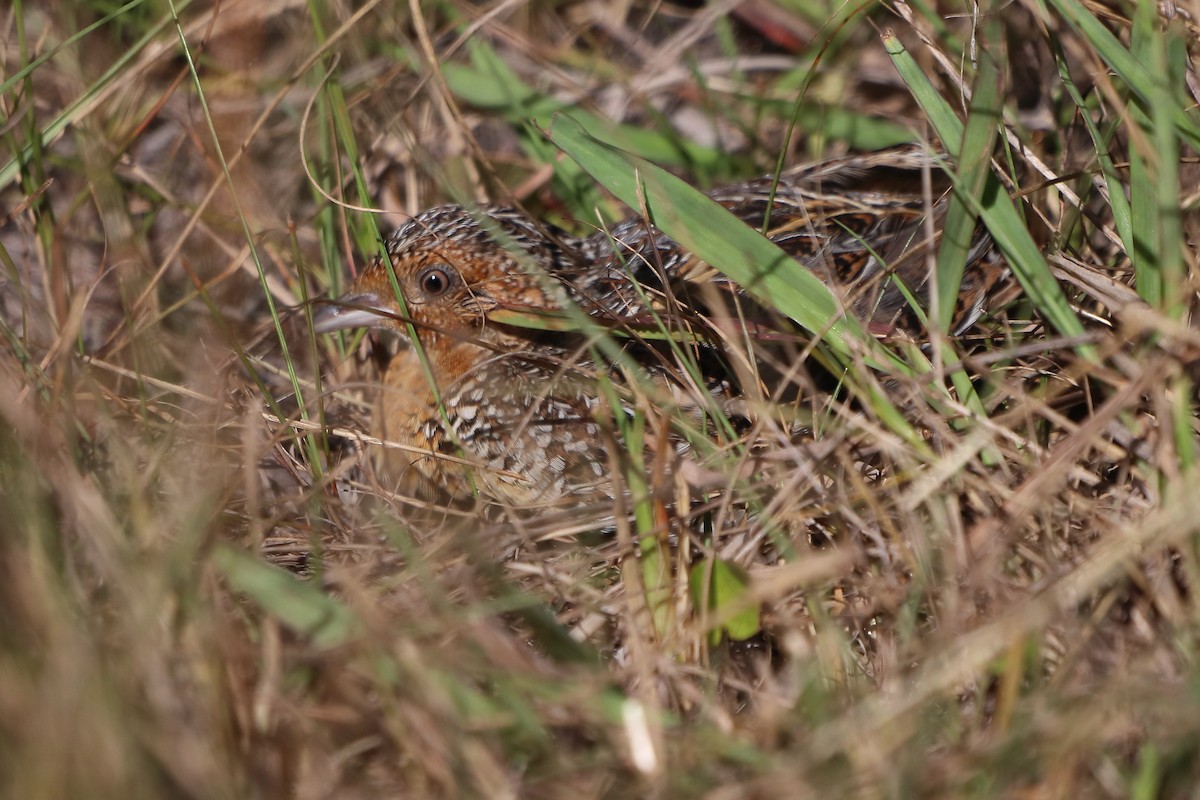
(859, 131)
(490, 83)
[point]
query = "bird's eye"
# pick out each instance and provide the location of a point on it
(435, 281)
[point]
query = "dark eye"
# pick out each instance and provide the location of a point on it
(435, 281)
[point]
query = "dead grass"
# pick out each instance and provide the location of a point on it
(206, 593)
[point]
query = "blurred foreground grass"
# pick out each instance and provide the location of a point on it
(975, 580)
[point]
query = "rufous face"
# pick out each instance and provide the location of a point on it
(451, 271)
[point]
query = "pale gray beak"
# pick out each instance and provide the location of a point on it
(351, 311)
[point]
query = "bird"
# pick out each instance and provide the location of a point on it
(515, 414)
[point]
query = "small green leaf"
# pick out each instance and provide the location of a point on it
(723, 589)
(656, 580)
(303, 607)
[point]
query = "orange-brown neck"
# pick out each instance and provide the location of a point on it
(449, 357)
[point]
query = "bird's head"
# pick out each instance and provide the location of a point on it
(454, 267)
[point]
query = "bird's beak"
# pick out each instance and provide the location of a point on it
(352, 311)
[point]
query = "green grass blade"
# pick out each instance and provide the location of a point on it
(84, 104)
(999, 213)
(1143, 193)
(1170, 57)
(975, 153)
(1118, 202)
(707, 229)
(1137, 75)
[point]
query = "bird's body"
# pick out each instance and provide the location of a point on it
(530, 434)
(521, 406)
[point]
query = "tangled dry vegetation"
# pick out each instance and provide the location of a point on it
(969, 573)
